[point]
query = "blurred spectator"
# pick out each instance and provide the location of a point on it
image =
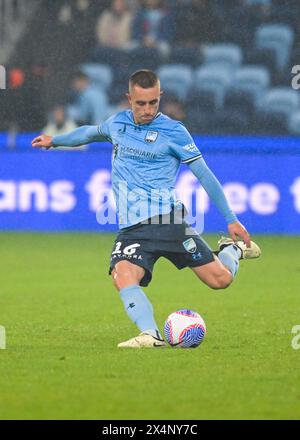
(59, 123)
(13, 100)
(133, 5)
(22, 106)
(240, 18)
(72, 10)
(173, 107)
(88, 102)
(123, 104)
(196, 23)
(65, 14)
(153, 26)
(113, 28)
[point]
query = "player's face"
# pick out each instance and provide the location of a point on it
(144, 103)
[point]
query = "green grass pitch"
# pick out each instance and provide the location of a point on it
(63, 321)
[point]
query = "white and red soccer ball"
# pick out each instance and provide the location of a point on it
(184, 328)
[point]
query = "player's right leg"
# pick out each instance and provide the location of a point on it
(126, 274)
(127, 277)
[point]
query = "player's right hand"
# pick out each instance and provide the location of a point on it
(42, 141)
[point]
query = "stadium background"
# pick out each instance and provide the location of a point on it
(227, 69)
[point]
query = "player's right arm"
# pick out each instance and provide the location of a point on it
(80, 136)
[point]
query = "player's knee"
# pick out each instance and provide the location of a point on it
(221, 282)
(224, 283)
(114, 279)
(123, 278)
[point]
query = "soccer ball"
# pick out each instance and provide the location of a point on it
(184, 328)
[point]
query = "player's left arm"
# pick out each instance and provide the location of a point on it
(80, 136)
(182, 145)
(215, 191)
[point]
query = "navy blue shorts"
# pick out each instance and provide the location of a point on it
(144, 244)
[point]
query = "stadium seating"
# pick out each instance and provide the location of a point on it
(238, 82)
(202, 100)
(282, 100)
(249, 83)
(120, 84)
(144, 58)
(231, 121)
(259, 2)
(176, 78)
(252, 78)
(185, 55)
(275, 108)
(213, 79)
(264, 57)
(224, 54)
(294, 123)
(99, 74)
(200, 122)
(295, 55)
(108, 55)
(239, 100)
(278, 37)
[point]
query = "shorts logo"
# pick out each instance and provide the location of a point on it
(151, 136)
(190, 245)
(197, 256)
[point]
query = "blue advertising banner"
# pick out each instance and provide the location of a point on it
(71, 190)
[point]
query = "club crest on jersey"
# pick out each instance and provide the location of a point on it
(151, 136)
(190, 245)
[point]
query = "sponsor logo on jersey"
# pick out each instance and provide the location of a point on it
(151, 136)
(190, 245)
(135, 153)
(191, 147)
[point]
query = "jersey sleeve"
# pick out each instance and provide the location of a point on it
(104, 129)
(182, 145)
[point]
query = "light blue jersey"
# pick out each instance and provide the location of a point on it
(145, 163)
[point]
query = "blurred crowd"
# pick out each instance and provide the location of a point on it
(125, 31)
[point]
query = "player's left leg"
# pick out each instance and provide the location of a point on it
(220, 273)
(192, 251)
(215, 274)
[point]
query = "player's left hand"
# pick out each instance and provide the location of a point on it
(42, 141)
(238, 231)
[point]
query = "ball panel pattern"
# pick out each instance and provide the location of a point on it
(184, 328)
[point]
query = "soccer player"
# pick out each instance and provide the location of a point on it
(148, 149)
